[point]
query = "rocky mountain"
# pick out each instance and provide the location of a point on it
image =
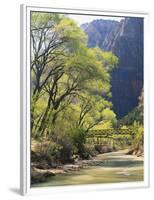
(98, 30)
(125, 40)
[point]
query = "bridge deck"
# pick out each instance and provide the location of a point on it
(110, 132)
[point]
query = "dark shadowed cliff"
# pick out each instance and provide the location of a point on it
(124, 39)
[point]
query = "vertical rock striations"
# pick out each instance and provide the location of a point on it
(98, 30)
(125, 40)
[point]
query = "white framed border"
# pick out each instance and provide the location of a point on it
(25, 102)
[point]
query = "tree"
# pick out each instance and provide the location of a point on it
(109, 116)
(70, 83)
(54, 38)
(136, 114)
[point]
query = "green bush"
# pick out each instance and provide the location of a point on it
(78, 136)
(139, 135)
(90, 149)
(67, 149)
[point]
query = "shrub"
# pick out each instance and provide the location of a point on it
(90, 149)
(67, 149)
(139, 135)
(78, 136)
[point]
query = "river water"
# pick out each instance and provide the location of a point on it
(114, 167)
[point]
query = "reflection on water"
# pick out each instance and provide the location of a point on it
(121, 163)
(114, 167)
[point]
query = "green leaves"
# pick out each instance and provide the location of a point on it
(70, 82)
(41, 19)
(109, 60)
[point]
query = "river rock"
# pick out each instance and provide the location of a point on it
(71, 167)
(103, 149)
(39, 175)
(42, 165)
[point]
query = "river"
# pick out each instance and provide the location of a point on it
(114, 167)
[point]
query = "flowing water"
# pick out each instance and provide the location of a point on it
(113, 167)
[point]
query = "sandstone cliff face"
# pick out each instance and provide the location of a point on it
(125, 40)
(98, 30)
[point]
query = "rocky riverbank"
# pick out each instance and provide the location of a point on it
(40, 173)
(139, 152)
(41, 168)
(115, 166)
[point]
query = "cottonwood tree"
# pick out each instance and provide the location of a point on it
(54, 38)
(62, 69)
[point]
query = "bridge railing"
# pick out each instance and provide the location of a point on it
(110, 132)
(98, 136)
